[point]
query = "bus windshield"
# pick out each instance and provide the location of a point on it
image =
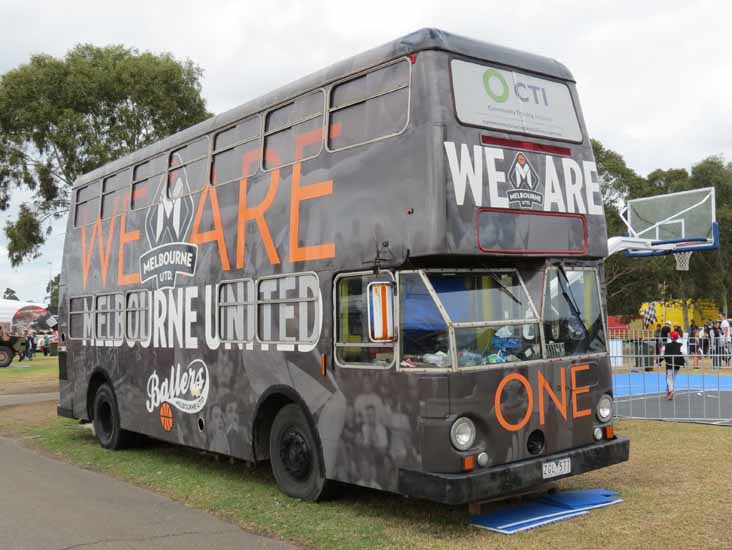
(492, 318)
(572, 314)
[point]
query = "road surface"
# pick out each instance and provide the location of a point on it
(50, 505)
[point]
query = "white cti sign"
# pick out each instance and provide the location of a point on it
(516, 102)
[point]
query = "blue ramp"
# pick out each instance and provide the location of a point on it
(545, 510)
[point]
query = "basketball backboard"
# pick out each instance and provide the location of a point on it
(669, 224)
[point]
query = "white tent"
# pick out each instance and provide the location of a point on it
(14, 312)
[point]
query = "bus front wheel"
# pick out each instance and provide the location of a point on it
(293, 451)
(6, 356)
(106, 420)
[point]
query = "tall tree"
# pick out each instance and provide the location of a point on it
(711, 269)
(52, 289)
(60, 118)
(628, 281)
(10, 294)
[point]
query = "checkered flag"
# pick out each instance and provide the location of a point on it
(649, 315)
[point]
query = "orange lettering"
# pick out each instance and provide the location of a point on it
(577, 413)
(86, 253)
(543, 386)
(497, 402)
(217, 233)
(105, 252)
(125, 237)
(301, 193)
(256, 213)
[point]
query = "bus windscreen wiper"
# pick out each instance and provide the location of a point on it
(504, 288)
(567, 293)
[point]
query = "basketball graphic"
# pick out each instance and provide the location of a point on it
(166, 416)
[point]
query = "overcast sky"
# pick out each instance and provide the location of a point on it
(654, 78)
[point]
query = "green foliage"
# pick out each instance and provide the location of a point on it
(10, 294)
(61, 118)
(632, 281)
(52, 289)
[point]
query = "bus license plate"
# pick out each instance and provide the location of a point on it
(556, 468)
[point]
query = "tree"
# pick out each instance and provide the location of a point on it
(628, 282)
(52, 289)
(61, 118)
(10, 294)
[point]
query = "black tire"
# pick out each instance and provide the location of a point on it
(295, 457)
(106, 420)
(6, 356)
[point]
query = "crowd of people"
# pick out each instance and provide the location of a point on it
(711, 339)
(31, 343)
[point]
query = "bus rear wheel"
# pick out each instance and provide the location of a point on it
(296, 463)
(107, 422)
(6, 356)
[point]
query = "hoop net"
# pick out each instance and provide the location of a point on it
(682, 260)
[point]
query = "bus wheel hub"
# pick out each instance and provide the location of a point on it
(295, 454)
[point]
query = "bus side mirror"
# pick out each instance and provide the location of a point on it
(381, 311)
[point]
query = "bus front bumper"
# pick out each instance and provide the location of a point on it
(508, 479)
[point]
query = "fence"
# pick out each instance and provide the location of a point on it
(702, 388)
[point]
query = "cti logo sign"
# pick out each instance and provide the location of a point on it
(498, 89)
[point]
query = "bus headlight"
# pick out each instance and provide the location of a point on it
(462, 434)
(605, 408)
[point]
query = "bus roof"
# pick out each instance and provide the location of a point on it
(423, 39)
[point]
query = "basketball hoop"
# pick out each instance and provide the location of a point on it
(682, 260)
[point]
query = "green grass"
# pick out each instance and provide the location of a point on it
(40, 368)
(677, 481)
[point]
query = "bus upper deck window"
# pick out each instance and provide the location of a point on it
(369, 107)
(187, 168)
(237, 152)
(285, 127)
(115, 191)
(146, 178)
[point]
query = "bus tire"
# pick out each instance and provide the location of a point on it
(107, 422)
(293, 450)
(6, 356)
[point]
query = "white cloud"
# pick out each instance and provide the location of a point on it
(653, 76)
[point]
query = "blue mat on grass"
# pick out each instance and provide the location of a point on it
(545, 510)
(585, 499)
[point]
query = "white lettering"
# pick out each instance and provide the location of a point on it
(464, 172)
(553, 191)
(573, 186)
(495, 177)
(592, 186)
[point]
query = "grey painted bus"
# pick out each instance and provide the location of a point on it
(387, 273)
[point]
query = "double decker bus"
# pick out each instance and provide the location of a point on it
(387, 273)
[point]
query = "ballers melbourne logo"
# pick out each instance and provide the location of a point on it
(166, 226)
(186, 389)
(525, 183)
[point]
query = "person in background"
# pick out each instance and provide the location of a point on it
(704, 339)
(46, 344)
(657, 337)
(31, 346)
(694, 345)
(724, 327)
(715, 337)
(674, 359)
(665, 331)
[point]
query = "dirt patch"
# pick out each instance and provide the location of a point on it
(28, 386)
(16, 420)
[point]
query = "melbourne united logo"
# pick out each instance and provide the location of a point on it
(167, 226)
(525, 183)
